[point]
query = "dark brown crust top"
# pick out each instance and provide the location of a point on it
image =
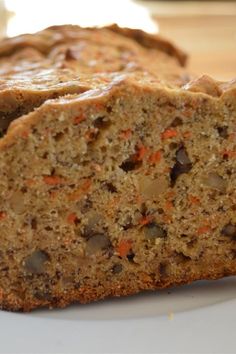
(54, 35)
(151, 41)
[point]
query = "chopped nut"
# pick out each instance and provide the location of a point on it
(151, 188)
(215, 181)
(182, 165)
(16, 202)
(223, 131)
(153, 231)
(117, 268)
(97, 243)
(229, 230)
(36, 261)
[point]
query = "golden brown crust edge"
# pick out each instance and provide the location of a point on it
(151, 41)
(87, 294)
(45, 39)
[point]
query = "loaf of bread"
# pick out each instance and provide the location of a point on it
(120, 175)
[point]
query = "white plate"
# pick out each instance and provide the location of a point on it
(200, 318)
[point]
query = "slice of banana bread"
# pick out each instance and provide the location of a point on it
(128, 186)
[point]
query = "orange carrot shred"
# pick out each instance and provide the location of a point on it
(30, 182)
(3, 215)
(79, 119)
(229, 153)
(145, 220)
(71, 218)
(140, 153)
(155, 157)
(232, 136)
(25, 134)
(169, 205)
(52, 180)
(124, 247)
(187, 134)
(125, 134)
(203, 230)
(169, 133)
(193, 200)
(76, 195)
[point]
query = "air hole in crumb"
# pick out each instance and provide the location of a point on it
(176, 122)
(109, 109)
(223, 131)
(163, 270)
(45, 155)
(24, 190)
(130, 256)
(173, 146)
(180, 257)
(110, 187)
(192, 243)
(59, 136)
(117, 268)
(130, 165)
(102, 122)
(33, 223)
(103, 149)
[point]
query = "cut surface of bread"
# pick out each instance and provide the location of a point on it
(126, 187)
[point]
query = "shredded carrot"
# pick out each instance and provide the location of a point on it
(76, 195)
(203, 229)
(30, 182)
(71, 218)
(140, 153)
(53, 180)
(90, 134)
(169, 133)
(169, 205)
(97, 167)
(187, 134)
(3, 215)
(171, 194)
(232, 136)
(166, 169)
(187, 112)
(145, 220)
(229, 153)
(193, 200)
(86, 185)
(79, 119)
(99, 105)
(124, 247)
(25, 134)
(167, 218)
(125, 134)
(155, 157)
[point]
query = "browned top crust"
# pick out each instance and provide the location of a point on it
(69, 59)
(151, 41)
